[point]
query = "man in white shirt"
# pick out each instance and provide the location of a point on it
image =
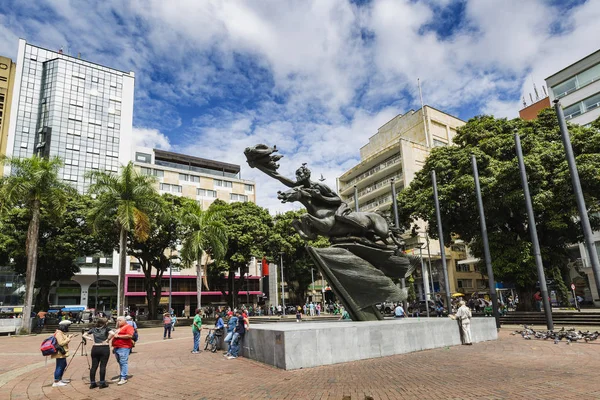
(463, 315)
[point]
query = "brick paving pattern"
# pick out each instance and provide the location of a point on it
(510, 368)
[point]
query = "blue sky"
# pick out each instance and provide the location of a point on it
(317, 78)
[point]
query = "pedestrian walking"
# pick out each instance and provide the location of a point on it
(537, 297)
(122, 343)
(167, 320)
(62, 339)
(100, 336)
(463, 315)
(173, 321)
(298, 314)
(196, 329)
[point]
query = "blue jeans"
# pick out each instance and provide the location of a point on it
(61, 365)
(122, 356)
(228, 340)
(196, 339)
(168, 328)
(235, 344)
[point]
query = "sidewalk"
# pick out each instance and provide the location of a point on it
(508, 368)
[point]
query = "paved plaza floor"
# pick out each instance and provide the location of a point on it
(510, 368)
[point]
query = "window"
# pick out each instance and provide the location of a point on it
(463, 267)
(206, 193)
(591, 102)
(166, 187)
(249, 188)
(142, 157)
(159, 173)
(23, 145)
(464, 283)
(439, 143)
(69, 161)
(238, 197)
(184, 177)
(565, 88)
(114, 154)
(146, 171)
(71, 146)
(195, 179)
(572, 111)
(220, 183)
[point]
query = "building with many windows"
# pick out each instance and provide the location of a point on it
(393, 156)
(578, 89)
(205, 181)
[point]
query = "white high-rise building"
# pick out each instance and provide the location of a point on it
(77, 110)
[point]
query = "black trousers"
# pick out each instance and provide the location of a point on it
(100, 355)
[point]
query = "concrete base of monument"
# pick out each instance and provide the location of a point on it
(311, 344)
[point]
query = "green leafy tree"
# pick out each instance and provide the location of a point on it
(286, 243)
(205, 237)
(248, 228)
(491, 140)
(34, 186)
(155, 253)
(126, 199)
(62, 240)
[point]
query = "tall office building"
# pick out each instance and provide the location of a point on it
(395, 154)
(74, 109)
(7, 79)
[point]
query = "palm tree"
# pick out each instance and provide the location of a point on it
(126, 199)
(33, 185)
(206, 238)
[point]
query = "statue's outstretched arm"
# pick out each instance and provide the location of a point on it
(276, 175)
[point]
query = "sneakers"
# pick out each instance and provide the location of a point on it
(58, 384)
(231, 358)
(65, 380)
(93, 385)
(122, 382)
(226, 355)
(116, 379)
(103, 385)
(195, 352)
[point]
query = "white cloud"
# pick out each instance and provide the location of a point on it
(144, 137)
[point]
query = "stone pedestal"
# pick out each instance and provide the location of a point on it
(311, 344)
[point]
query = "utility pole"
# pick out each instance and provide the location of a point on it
(534, 238)
(441, 239)
(486, 247)
(583, 215)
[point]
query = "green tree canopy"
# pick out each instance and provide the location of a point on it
(33, 185)
(491, 140)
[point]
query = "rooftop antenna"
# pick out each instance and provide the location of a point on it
(531, 97)
(537, 96)
(544, 89)
(524, 102)
(423, 113)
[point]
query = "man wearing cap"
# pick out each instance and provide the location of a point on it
(122, 343)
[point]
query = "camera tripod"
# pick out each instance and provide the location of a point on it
(81, 345)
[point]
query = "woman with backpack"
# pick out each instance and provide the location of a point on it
(100, 335)
(62, 340)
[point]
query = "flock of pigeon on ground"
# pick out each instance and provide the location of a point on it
(571, 335)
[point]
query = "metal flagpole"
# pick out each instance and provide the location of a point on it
(583, 215)
(486, 247)
(534, 238)
(441, 239)
(397, 225)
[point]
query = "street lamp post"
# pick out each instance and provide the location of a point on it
(282, 291)
(438, 215)
(248, 289)
(170, 284)
(97, 279)
(424, 278)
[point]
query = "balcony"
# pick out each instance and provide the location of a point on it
(394, 160)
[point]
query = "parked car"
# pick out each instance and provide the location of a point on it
(386, 307)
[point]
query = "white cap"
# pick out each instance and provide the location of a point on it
(65, 322)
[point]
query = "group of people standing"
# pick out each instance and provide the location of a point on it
(122, 339)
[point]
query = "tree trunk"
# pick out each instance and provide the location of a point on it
(122, 268)
(31, 246)
(525, 299)
(199, 283)
(231, 278)
(41, 300)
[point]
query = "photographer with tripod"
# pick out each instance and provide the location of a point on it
(100, 335)
(62, 340)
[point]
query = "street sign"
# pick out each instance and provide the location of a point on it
(572, 286)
